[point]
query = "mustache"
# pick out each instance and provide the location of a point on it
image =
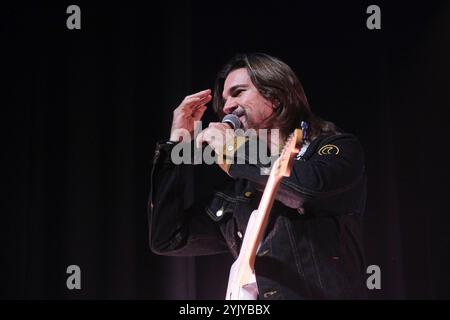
(240, 111)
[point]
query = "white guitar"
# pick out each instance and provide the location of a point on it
(242, 281)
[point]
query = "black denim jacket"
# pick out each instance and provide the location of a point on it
(313, 246)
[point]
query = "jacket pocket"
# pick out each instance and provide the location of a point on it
(221, 206)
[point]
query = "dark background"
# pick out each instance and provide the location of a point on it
(82, 110)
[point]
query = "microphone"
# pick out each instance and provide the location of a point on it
(232, 120)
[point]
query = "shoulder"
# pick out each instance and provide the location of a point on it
(340, 143)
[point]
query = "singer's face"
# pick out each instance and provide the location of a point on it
(239, 91)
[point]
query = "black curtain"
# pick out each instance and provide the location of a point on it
(82, 110)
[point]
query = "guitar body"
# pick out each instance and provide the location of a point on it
(242, 280)
(237, 291)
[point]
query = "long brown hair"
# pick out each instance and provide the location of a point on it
(276, 82)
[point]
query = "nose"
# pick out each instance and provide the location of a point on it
(230, 106)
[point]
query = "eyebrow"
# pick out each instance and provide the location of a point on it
(233, 89)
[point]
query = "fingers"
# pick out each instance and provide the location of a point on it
(203, 136)
(193, 106)
(198, 113)
(199, 140)
(198, 98)
(200, 94)
(214, 135)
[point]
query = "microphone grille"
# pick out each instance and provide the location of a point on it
(232, 120)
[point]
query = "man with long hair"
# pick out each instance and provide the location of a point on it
(312, 248)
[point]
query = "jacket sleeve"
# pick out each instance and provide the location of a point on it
(325, 179)
(178, 222)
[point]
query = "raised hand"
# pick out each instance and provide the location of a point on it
(190, 110)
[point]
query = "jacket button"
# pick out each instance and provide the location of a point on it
(239, 234)
(219, 213)
(269, 293)
(248, 194)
